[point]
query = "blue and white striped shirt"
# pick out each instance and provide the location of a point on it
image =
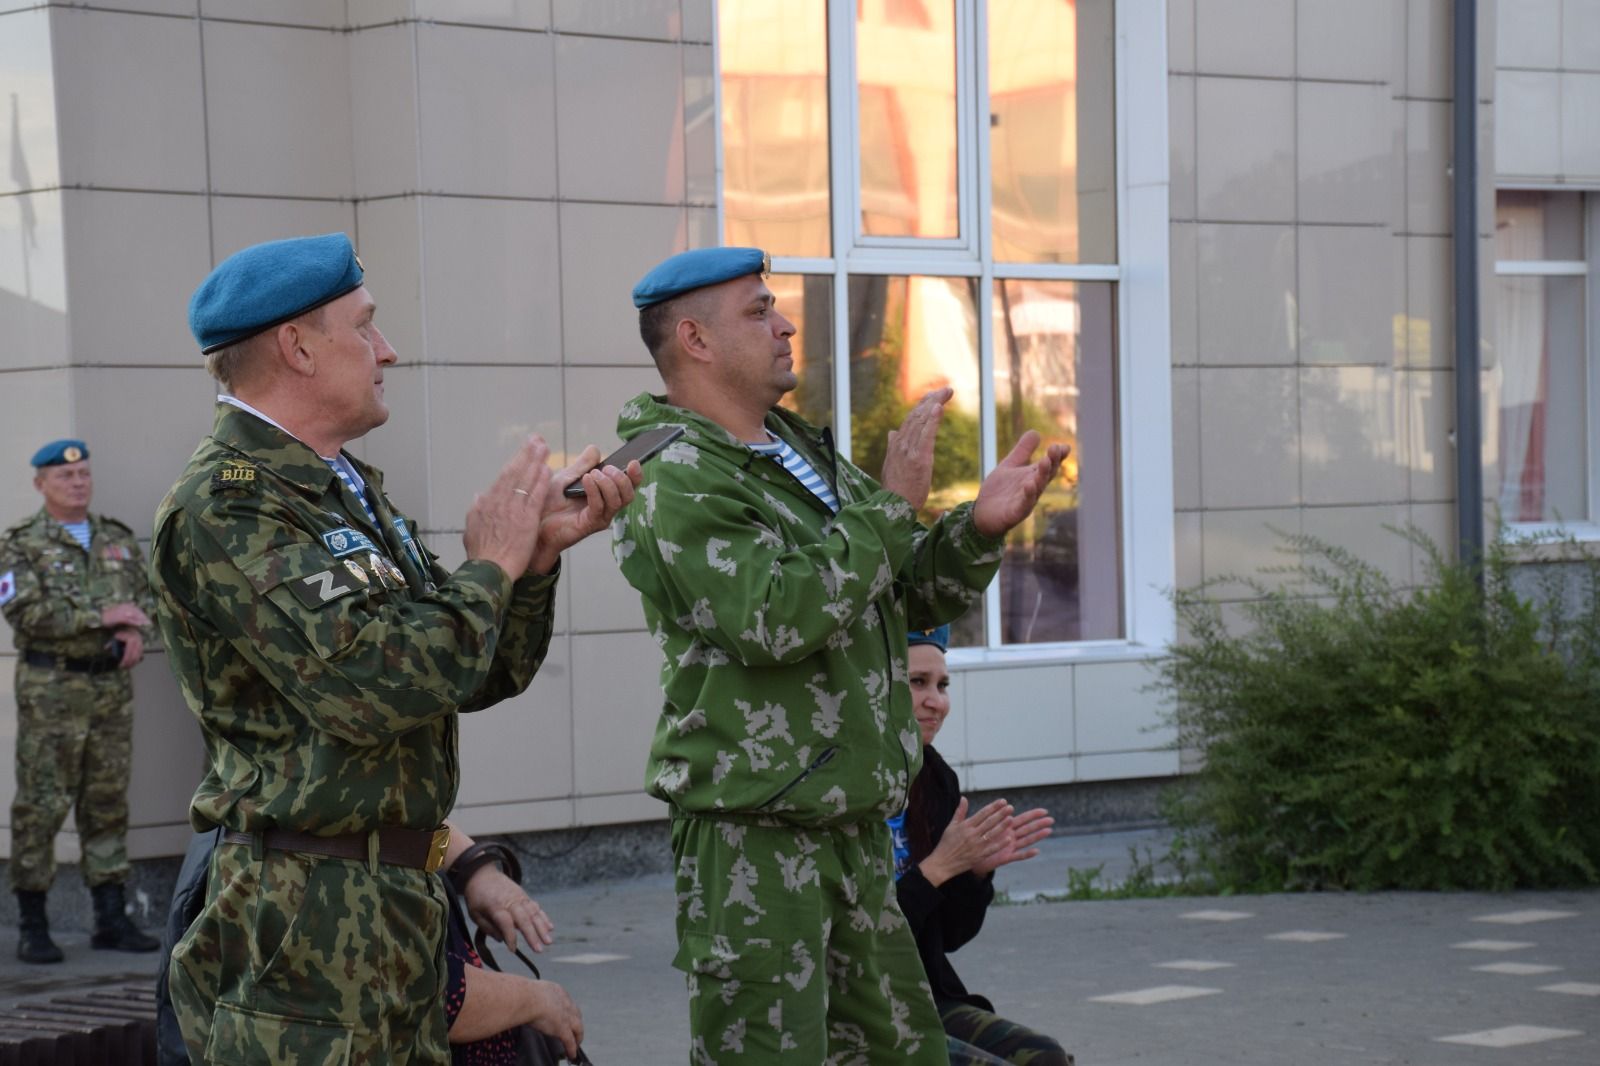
(780, 451)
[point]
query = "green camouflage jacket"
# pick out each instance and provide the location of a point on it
(325, 657)
(52, 591)
(784, 626)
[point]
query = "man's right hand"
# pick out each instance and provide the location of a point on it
(503, 522)
(119, 615)
(908, 461)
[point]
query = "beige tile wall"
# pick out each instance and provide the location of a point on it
(1547, 126)
(508, 169)
(1311, 274)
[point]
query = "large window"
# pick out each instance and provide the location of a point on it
(1543, 377)
(937, 183)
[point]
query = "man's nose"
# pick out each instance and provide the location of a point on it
(387, 356)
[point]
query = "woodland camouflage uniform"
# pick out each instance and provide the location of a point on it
(787, 735)
(74, 727)
(326, 657)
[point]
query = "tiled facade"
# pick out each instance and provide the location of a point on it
(509, 167)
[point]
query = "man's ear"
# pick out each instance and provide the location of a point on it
(692, 339)
(289, 348)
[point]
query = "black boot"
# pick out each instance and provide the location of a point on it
(112, 929)
(33, 940)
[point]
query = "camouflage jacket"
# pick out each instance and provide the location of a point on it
(325, 656)
(783, 625)
(52, 591)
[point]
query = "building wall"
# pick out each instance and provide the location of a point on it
(1547, 75)
(508, 169)
(1312, 287)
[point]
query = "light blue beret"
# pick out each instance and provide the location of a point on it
(268, 284)
(59, 453)
(696, 269)
(939, 637)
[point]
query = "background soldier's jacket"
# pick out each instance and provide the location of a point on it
(326, 657)
(784, 626)
(59, 589)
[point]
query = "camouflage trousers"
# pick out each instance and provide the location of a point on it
(982, 1037)
(312, 960)
(74, 749)
(795, 950)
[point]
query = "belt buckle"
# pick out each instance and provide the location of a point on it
(437, 848)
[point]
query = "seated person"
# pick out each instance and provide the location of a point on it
(484, 1006)
(945, 860)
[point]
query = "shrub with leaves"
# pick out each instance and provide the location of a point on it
(1359, 735)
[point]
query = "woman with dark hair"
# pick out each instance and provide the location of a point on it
(945, 858)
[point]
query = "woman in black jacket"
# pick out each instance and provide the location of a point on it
(945, 860)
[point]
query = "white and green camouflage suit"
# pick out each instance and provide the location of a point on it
(786, 734)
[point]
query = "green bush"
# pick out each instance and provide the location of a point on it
(1359, 735)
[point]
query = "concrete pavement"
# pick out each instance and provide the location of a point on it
(1403, 978)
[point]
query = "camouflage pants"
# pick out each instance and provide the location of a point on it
(795, 950)
(74, 748)
(980, 1036)
(315, 961)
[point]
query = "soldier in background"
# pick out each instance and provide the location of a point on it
(326, 654)
(73, 587)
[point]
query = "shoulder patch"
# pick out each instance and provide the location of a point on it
(347, 541)
(325, 586)
(8, 587)
(234, 476)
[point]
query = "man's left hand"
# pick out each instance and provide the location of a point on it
(499, 905)
(1011, 490)
(568, 520)
(132, 646)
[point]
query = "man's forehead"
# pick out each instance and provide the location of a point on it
(65, 469)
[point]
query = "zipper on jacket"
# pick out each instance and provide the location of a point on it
(820, 761)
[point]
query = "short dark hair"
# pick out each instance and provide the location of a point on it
(658, 323)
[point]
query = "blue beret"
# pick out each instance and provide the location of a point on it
(939, 637)
(268, 284)
(59, 453)
(696, 269)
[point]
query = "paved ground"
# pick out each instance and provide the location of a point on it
(1405, 978)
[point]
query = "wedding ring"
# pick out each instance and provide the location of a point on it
(522, 492)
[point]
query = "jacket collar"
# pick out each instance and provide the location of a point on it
(272, 449)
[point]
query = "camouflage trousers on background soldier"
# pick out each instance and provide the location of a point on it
(74, 751)
(795, 949)
(298, 958)
(994, 1039)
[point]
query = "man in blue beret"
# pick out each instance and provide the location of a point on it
(780, 581)
(326, 653)
(73, 587)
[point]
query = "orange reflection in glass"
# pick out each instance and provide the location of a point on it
(1054, 372)
(774, 60)
(906, 70)
(1052, 138)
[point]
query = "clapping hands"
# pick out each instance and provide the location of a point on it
(985, 841)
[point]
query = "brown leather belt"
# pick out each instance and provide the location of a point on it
(420, 849)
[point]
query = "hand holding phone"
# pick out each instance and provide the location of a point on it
(642, 448)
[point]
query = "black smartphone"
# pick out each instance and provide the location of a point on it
(643, 447)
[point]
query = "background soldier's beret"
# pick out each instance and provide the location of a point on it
(60, 452)
(939, 637)
(696, 269)
(266, 285)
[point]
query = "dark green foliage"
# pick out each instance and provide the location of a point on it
(1359, 735)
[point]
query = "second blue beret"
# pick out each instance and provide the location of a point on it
(696, 269)
(268, 284)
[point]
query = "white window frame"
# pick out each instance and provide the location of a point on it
(1141, 275)
(1586, 529)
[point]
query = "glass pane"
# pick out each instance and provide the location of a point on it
(1052, 138)
(774, 61)
(909, 335)
(1055, 372)
(1541, 390)
(906, 69)
(1535, 224)
(807, 301)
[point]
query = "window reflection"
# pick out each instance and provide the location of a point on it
(906, 67)
(1054, 373)
(1052, 140)
(807, 301)
(774, 60)
(909, 335)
